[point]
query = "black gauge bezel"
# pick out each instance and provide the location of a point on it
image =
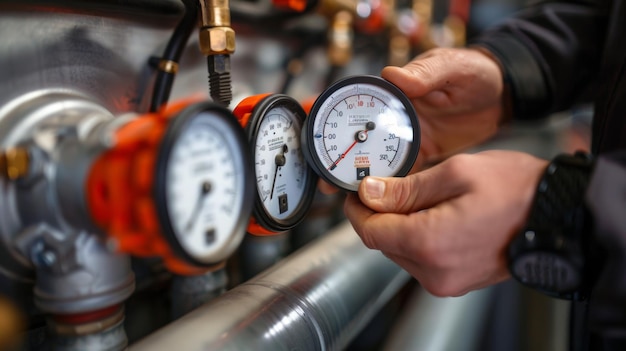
(307, 139)
(262, 216)
(178, 125)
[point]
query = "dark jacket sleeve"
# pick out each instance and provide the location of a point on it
(551, 56)
(607, 203)
(550, 53)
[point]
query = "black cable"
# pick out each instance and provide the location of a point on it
(167, 65)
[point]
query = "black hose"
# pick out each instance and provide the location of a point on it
(167, 65)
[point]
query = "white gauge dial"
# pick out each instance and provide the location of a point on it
(205, 187)
(281, 171)
(285, 182)
(361, 126)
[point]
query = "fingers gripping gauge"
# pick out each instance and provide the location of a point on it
(285, 184)
(361, 126)
(176, 185)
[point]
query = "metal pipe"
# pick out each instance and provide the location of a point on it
(318, 298)
(444, 324)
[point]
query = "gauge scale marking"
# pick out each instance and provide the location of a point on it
(280, 167)
(361, 126)
(360, 101)
(204, 185)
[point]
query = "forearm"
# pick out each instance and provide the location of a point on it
(549, 54)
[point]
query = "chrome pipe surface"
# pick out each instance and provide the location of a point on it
(441, 323)
(318, 298)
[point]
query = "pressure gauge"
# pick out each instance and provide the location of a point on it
(176, 184)
(361, 126)
(285, 184)
(202, 184)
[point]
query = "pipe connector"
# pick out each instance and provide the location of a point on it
(216, 35)
(220, 85)
(100, 330)
(217, 43)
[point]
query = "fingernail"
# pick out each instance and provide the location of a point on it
(374, 188)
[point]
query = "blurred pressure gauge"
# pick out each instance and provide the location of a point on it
(285, 184)
(177, 185)
(361, 126)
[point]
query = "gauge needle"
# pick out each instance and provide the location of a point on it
(359, 137)
(280, 161)
(205, 189)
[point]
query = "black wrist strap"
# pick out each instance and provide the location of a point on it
(550, 252)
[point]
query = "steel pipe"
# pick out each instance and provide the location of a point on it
(443, 324)
(318, 298)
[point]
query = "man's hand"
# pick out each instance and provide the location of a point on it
(449, 225)
(457, 94)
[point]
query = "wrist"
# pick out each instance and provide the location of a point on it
(506, 106)
(550, 253)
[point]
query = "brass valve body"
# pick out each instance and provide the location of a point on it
(14, 163)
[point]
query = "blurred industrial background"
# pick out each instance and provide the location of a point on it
(314, 287)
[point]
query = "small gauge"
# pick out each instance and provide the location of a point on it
(361, 126)
(285, 184)
(203, 184)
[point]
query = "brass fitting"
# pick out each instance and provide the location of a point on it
(458, 28)
(423, 10)
(12, 325)
(340, 39)
(330, 7)
(217, 43)
(14, 163)
(399, 50)
(217, 40)
(216, 35)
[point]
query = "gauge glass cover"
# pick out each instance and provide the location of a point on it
(281, 171)
(206, 187)
(361, 126)
(285, 183)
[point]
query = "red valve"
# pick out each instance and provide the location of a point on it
(294, 5)
(376, 21)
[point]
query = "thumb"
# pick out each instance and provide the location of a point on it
(412, 193)
(389, 194)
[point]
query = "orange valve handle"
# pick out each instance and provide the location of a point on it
(120, 190)
(307, 104)
(246, 106)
